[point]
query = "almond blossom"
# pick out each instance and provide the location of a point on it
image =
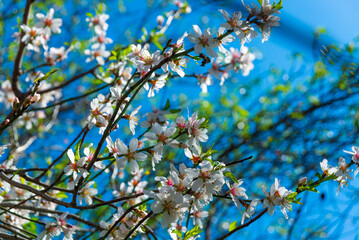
(204, 81)
(250, 209)
(172, 206)
(97, 54)
(204, 40)
(133, 120)
(236, 191)
(98, 23)
(155, 85)
(87, 193)
(234, 23)
(48, 22)
(130, 155)
(354, 153)
(51, 230)
(76, 167)
(224, 40)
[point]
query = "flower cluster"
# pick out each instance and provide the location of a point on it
(187, 188)
(39, 34)
(53, 229)
(99, 40)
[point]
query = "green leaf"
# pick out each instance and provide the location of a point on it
(292, 196)
(260, 2)
(178, 233)
(61, 195)
(167, 106)
(47, 75)
(231, 176)
(77, 150)
(193, 232)
(278, 5)
(89, 14)
(158, 45)
(232, 226)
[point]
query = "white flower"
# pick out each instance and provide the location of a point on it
(162, 135)
(234, 23)
(130, 155)
(276, 197)
(240, 60)
(196, 134)
(176, 65)
(145, 60)
(220, 74)
(204, 81)
(206, 179)
(198, 215)
(48, 22)
(326, 170)
(98, 54)
(156, 115)
(224, 40)
(133, 120)
(172, 205)
(65, 227)
(100, 110)
(250, 210)
(55, 54)
(342, 173)
(203, 41)
(113, 148)
(100, 41)
(30, 33)
(51, 230)
(156, 85)
(89, 154)
(87, 193)
(268, 24)
(354, 153)
(236, 191)
(34, 38)
(99, 23)
(76, 167)
(7, 95)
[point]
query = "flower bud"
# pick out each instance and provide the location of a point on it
(302, 181)
(160, 19)
(15, 103)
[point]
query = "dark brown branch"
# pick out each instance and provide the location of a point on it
(244, 225)
(20, 54)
